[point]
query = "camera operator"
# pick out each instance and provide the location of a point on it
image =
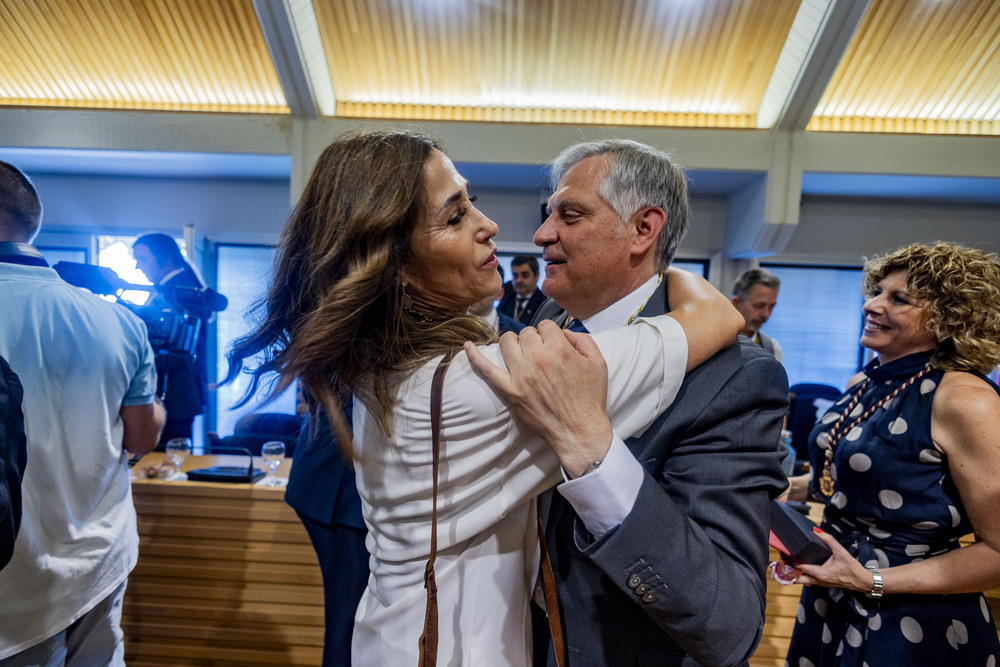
(182, 375)
(89, 382)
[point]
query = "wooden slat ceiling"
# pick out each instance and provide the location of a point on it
(648, 62)
(179, 55)
(930, 66)
(925, 66)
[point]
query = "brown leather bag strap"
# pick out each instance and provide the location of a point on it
(429, 638)
(551, 600)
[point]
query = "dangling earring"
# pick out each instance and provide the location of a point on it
(407, 300)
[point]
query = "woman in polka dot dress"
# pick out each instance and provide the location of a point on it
(907, 461)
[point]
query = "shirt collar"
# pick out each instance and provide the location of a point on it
(26, 254)
(616, 315)
(493, 318)
(897, 368)
(170, 275)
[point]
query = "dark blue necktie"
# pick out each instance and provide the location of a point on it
(577, 325)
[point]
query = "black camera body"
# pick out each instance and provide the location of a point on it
(169, 330)
(172, 328)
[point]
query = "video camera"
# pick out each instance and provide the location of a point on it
(171, 329)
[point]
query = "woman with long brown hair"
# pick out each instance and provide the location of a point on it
(374, 272)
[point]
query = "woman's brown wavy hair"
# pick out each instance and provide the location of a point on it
(332, 317)
(961, 290)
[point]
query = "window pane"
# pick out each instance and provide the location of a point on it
(696, 266)
(244, 273)
(818, 323)
(55, 255)
(115, 252)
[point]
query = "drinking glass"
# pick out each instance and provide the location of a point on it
(273, 454)
(178, 449)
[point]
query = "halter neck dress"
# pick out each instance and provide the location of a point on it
(894, 503)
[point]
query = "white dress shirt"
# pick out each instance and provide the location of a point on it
(603, 498)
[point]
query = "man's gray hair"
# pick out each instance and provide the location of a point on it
(745, 284)
(639, 176)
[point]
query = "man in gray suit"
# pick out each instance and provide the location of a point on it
(659, 557)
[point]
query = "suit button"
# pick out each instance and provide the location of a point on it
(634, 581)
(642, 589)
(650, 597)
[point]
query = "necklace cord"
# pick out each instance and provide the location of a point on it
(826, 482)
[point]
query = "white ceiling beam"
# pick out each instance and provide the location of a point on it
(819, 36)
(292, 35)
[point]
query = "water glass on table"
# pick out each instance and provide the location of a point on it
(273, 453)
(178, 449)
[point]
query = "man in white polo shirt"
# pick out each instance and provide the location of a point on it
(89, 381)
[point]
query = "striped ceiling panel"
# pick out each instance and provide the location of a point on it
(649, 62)
(918, 66)
(910, 66)
(186, 55)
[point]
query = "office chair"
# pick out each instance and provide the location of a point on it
(802, 411)
(253, 430)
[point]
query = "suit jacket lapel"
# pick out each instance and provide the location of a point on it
(657, 304)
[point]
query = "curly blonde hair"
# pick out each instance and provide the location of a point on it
(961, 290)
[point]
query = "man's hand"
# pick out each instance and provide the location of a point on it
(556, 384)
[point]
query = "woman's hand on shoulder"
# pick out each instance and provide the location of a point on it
(965, 425)
(556, 384)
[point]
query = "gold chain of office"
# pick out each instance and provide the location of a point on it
(631, 319)
(826, 483)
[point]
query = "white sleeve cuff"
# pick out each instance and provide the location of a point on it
(605, 497)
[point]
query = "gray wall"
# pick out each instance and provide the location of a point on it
(839, 230)
(252, 210)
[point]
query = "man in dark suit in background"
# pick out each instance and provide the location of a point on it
(659, 557)
(484, 308)
(522, 303)
(323, 492)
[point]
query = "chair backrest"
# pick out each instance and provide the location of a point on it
(802, 411)
(256, 428)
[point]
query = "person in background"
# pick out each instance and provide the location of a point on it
(185, 395)
(522, 303)
(484, 308)
(89, 399)
(374, 273)
(659, 546)
(906, 463)
(755, 294)
(13, 457)
(324, 494)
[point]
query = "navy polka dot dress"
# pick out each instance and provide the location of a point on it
(894, 503)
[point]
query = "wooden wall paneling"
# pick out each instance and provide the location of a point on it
(226, 576)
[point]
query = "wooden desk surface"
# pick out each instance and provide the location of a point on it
(204, 461)
(226, 575)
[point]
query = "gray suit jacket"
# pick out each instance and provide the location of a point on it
(681, 580)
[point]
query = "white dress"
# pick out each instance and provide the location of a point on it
(490, 473)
